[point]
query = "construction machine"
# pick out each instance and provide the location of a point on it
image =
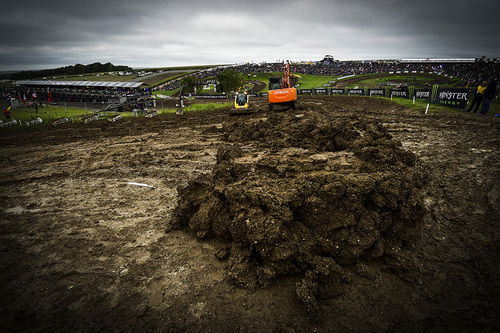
(282, 91)
(241, 104)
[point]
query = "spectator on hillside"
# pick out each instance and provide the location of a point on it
(478, 96)
(489, 94)
(6, 112)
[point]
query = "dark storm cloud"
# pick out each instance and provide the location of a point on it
(154, 32)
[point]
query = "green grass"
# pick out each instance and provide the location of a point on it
(369, 81)
(199, 107)
(306, 81)
(47, 113)
(166, 92)
(166, 79)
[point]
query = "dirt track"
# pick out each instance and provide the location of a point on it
(83, 251)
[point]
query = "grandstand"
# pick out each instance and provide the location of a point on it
(92, 92)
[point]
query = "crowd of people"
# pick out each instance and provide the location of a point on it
(471, 73)
(33, 95)
(483, 96)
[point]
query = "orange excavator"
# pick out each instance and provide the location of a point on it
(281, 90)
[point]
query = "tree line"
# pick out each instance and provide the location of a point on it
(229, 80)
(96, 67)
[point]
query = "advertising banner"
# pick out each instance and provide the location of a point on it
(209, 96)
(376, 92)
(321, 91)
(304, 91)
(337, 91)
(355, 92)
(400, 93)
(264, 94)
(452, 97)
(423, 94)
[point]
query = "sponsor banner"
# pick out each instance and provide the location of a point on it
(423, 93)
(321, 91)
(209, 96)
(355, 91)
(452, 97)
(376, 92)
(401, 93)
(304, 91)
(326, 85)
(337, 91)
(253, 95)
(264, 94)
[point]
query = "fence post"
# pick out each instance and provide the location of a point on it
(434, 92)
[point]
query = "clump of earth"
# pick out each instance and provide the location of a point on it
(304, 195)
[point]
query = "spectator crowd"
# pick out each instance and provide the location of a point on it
(471, 73)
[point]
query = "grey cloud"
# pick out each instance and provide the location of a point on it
(37, 34)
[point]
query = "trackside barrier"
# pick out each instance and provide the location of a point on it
(91, 119)
(60, 121)
(115, 118)
(356, 91)
(376, 92)
(34, 121)
(208, 96)
(8, 123)
(452, 97)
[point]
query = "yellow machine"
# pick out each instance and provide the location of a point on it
(241, 104)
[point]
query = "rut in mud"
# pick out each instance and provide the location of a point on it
(305, 194)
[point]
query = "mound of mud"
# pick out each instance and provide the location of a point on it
(304, 194)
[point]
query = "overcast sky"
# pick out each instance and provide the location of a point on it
(147, 33)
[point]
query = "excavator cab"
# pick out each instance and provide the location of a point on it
(241, 104)
(274, 83)
(241, 99)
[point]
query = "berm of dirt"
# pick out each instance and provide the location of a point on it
(304, 195)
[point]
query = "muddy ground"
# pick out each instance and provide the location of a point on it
(83, 251)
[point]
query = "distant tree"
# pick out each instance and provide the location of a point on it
(230, 80)
(189, 82)
(96, 67)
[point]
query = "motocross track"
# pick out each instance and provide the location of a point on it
(83, 251)
(435, 79)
